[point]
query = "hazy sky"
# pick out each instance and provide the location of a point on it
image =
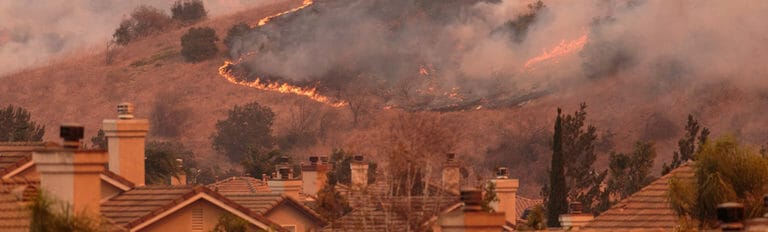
(34, 31)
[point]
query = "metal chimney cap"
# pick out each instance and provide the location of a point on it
(451, 156)
(282, 159)
(125, 110)
(313, 159)
(72, 134)
(502, 173)
(473, 199)
(359, 157)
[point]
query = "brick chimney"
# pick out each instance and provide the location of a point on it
(506, 191)
(471, 218)
(125, 138)
(314, 175)
(359, 173)
(70, 174)
(284, 182)
(451, 174)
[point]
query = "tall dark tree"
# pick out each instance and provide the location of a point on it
(578, 147)
(247, 129)
(557, 198)
(631, 172)
(16, 125)
(687, 146)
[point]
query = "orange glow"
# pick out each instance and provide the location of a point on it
(265, 20)
(562, 49)
(311, 93)
(423, 71)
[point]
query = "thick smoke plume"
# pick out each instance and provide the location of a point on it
(34, 32)
(476, 50)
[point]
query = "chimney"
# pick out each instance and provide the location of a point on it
(181, 179)
(731, 216)
(314, 175)
(471, 218)
(359, 173)
(576, 218)
(125, 138)
(451, 174)
(284, 182)
(506, 191)
(71, 174)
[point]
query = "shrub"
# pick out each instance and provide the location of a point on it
(246, 129)
(144, 21)
(199, 44)
(188, 11)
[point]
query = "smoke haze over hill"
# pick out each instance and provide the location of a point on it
(33, 32)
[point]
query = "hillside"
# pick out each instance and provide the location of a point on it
(647, 101)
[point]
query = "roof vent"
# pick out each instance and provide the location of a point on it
(731, 216)
(125, 110)
(72, 134)
(359, 158)
(451, 156)
(473, 200)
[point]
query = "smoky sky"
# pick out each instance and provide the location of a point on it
(469, 45)
(35, 31)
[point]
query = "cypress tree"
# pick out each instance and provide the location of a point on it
(557, 202)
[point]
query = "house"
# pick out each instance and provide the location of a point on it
(646, 210)
(109, 184)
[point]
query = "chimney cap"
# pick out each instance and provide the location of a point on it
(72, 133)
(359, 157)
(324, 158)
(283, 159)
(125, 110)
(502, 173)
(313, 159)
(450, 156)
(473, 199)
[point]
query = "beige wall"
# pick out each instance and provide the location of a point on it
(286, 214)
(182, 220)
(108, 190)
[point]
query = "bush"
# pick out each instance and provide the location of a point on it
(237, 30)
(247, 129)
(199, 44)
(144, 21)
(188, 11)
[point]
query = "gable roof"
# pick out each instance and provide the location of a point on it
(142, 206)
(116, 180)
(646, 210)
(239, 185)
(264, 203)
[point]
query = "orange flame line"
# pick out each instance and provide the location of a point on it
(562, 49)
(311, 93)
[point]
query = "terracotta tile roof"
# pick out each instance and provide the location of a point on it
(523, 203)
(263, 203)
(11, 160)
(646, 210)
(14, 194)
(141, 204)
(381, 213)
(239, 185)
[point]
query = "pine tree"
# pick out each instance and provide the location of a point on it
(557, 201)
(687, 146)
(16, 125)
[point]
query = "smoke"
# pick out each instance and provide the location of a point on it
(33, 32)
(478, 46)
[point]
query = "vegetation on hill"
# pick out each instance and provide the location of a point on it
(199, 44)
(16, 125)
(188, 11)
(246, 129)
(144, 21)
(162, 162)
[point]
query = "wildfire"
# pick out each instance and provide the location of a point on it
(562, 49)
(265, 20)
(311, 93)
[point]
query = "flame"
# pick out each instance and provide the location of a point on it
(562, 49)
(423, 71)
(304, 4)
(311, 93)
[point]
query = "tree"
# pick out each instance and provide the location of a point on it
(247, 129)
(631, 172)
(168, 115)
(724, 171)
(234, 32)
(144, 21)
(257, 163)
(231, 223)
(489, 196)
(342, 172)
(687, 145)
(99, 141)
(330, 203)
(162, 163)
(199, 43)
(557, 198)
(578, 147)
(520, 25)
(16, 125)
(188, 11)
